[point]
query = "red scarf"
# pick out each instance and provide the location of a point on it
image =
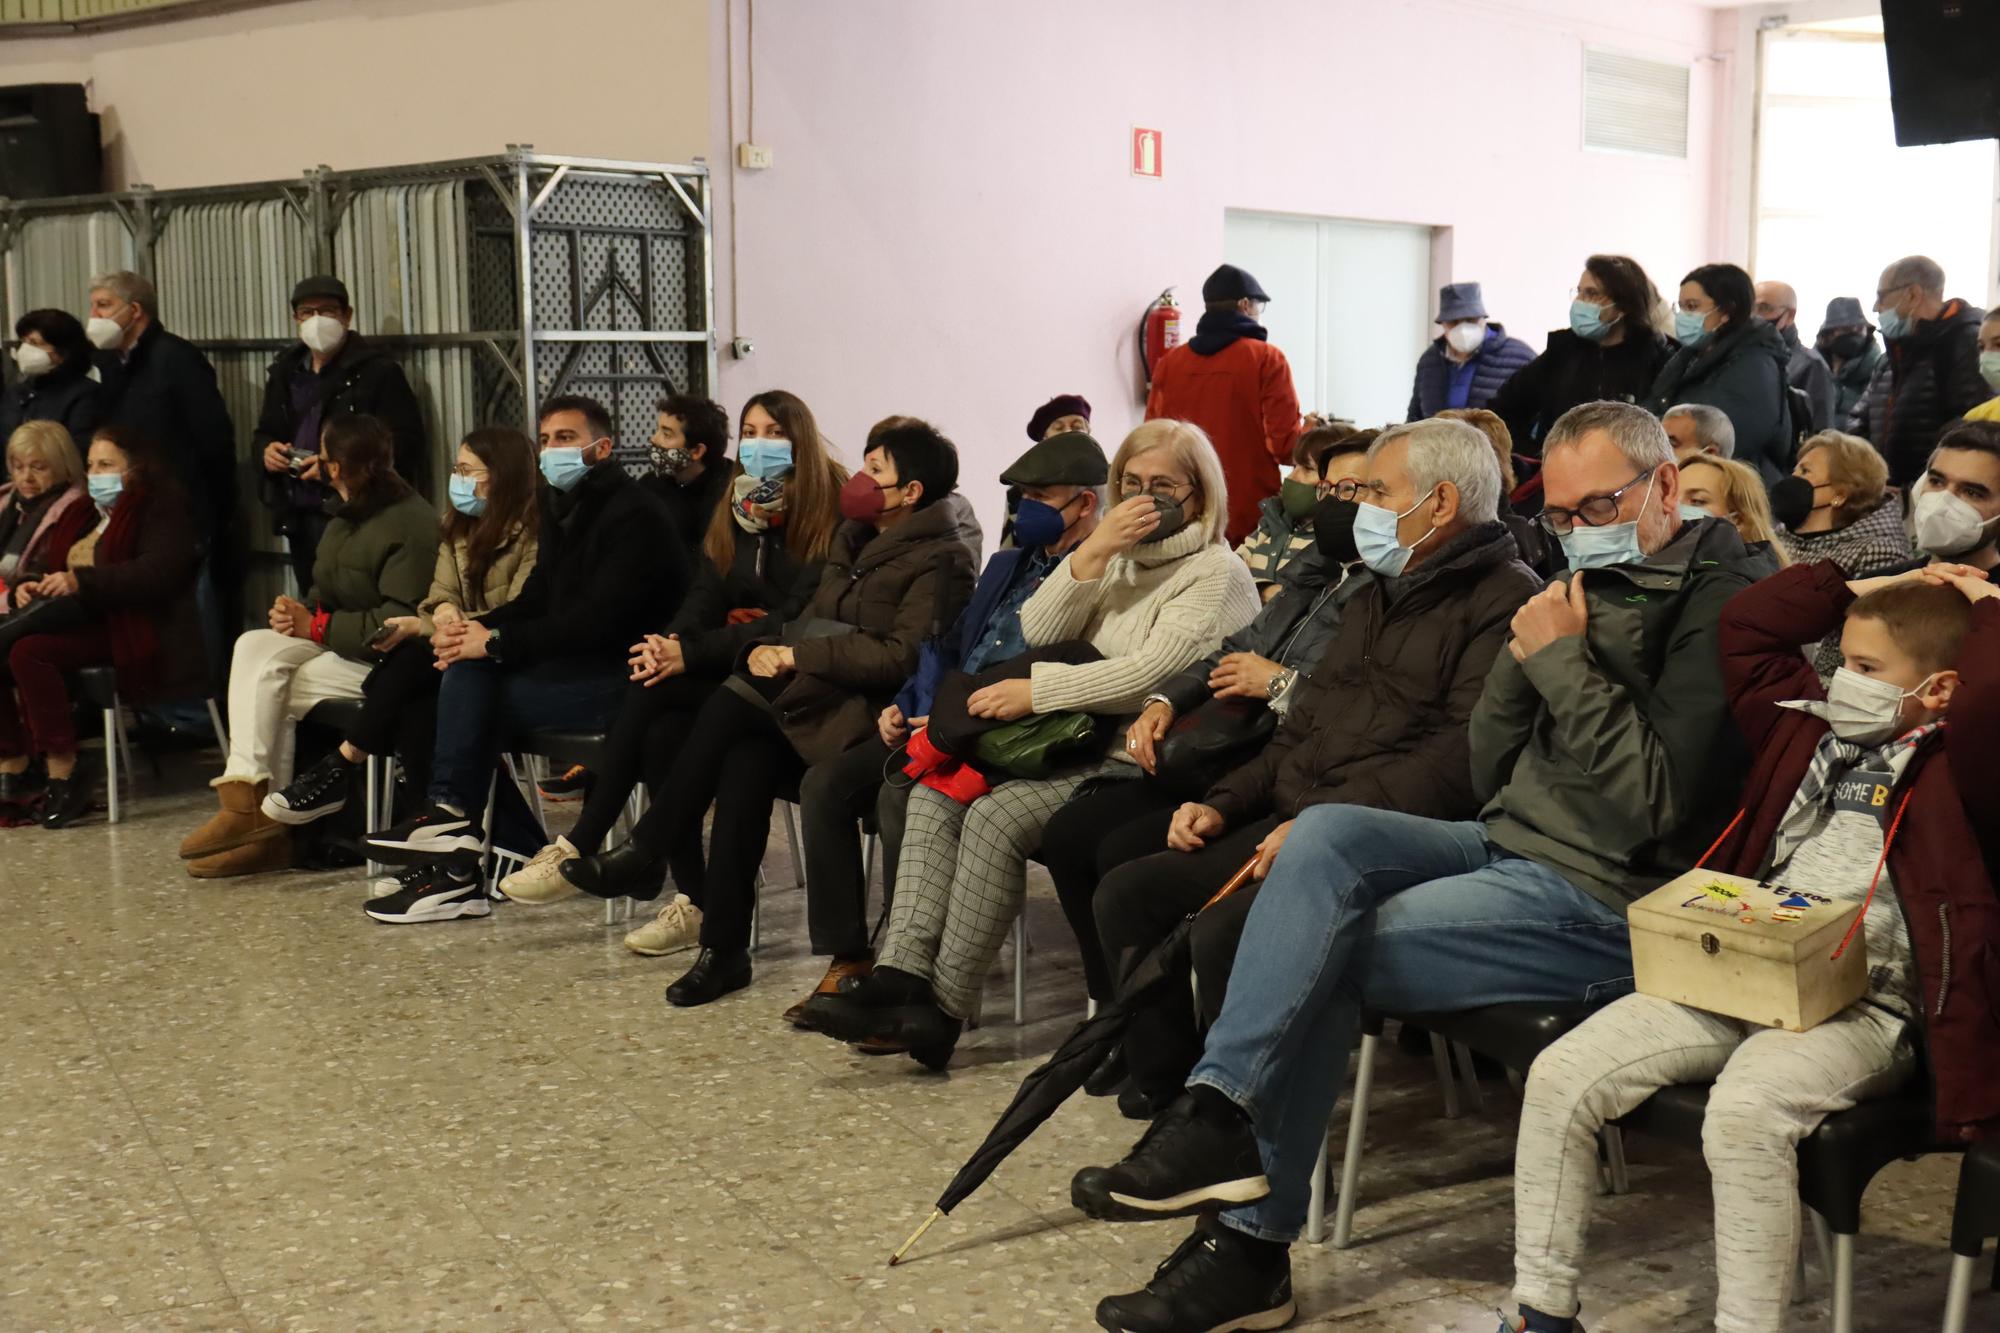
(134, 631)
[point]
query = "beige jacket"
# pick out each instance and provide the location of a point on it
(510, 568)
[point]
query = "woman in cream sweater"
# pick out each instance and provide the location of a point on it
(1153, 589)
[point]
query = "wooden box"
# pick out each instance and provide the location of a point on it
(1759, 952)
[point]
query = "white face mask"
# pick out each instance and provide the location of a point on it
(33, 360)
(104, 334)
(1867, 710)
(322, 333)
(1465, 339)
(1947, 525)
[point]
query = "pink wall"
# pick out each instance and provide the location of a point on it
(950, 229)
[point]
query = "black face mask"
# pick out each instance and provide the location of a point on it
(1333, 530)
(1791, 501)
(1847, 346)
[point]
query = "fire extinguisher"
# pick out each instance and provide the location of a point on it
(1159, 330)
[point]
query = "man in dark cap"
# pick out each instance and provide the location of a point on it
(1062, 484)
(1469, 360)
(1848, 342)
(1231, 382)
(332, 371)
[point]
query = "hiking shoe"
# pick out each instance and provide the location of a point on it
(1215, 1280)
(440, 894)
(314, 794)
(572, 784)
(383, 885)
(540, 880)
(438, 834)
(677, 927)
(1195, 1156)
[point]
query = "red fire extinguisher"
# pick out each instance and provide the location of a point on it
(1159, 330)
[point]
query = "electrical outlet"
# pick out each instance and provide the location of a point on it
(753, 156)
(742, 348)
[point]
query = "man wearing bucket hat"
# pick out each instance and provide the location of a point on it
(1848, 342)
(1232, 383)
(1469, 360)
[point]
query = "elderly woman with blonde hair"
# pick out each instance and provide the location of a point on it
(1151, 591)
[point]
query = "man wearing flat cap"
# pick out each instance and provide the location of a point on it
(1061, 480)
(1469, 360)
(1232, 383)
(331, 371)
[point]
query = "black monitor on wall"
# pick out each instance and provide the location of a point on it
(48, 142)
(1944, 69)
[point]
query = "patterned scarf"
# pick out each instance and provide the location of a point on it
(768, 496)
(1831, 760)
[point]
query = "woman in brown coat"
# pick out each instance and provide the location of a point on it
(806, 691)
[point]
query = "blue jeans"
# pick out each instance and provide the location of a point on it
(1373, 909)
(483, 704)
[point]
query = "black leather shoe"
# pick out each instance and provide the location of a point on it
(629, 870)
(1137, 1103)
(1215, 1279)
(20, 788)
(1191, 1158)
(713, 976)
(68, 799)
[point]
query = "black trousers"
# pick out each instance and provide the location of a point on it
(738, 760)
(399, 710)
(1137, 905)
(1108, 823)
(833, 796)
(645, 743)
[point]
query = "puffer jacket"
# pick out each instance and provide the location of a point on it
(1947, 836)
(1928, 378)
(507, 571)
(1383, 720)
(886, 585)
(374, 562)
(1609, 756)
(1742, 372)
(1576, 370)
(1293, 629)
(1492, 366)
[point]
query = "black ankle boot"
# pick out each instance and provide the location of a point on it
(713, 976)
(68, 799)
(629, 870)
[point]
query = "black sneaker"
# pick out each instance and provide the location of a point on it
(314, 794)
(397, 880)
(572, 784)
(1189, 1159)
(438, 834)
(1214, 1282)
(440, 895)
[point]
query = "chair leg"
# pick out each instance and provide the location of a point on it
(1357, 1136)
(1799, 1270)
(486, 863)
(371, 782)
(792, 836)
(757, 914)
(1447, 1083)
(1843, 1283)
(1614, 1159)
(1958, 1296)
(868, 845)
(215, 720)
(1021, 967)
(1315, 1231)
(111, 764)
(1474, 1097)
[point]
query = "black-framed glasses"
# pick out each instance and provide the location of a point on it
(1594, 512)
(1160, 488)
(1349, 489)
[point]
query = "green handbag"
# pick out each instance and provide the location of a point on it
(1037, 746)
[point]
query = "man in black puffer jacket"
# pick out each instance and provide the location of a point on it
(1930, 375)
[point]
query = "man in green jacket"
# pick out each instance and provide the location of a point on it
(1604, 756)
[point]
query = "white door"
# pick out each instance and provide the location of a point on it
(1350, 306)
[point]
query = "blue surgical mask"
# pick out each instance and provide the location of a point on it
(1586, 320)
(1894, 324)
(1375, 537)
(1694, 513)
(1689, 328)
(564, 468)
(465, 497)
(105, 487)
(1612, 544)
(1039, 524)
(765, 459)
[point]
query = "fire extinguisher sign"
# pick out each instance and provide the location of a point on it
(1145, 152)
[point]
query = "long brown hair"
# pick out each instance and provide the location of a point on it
(509, 457)
(365, 452)
(812, 488)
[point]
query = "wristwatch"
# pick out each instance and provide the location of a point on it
(1280, 683)
(493, 645)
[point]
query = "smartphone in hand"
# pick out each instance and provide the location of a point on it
(382, 637)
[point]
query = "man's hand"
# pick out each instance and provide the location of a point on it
(1556, 612)
(278, 457)
(892, 727)
(462, 641)
(1143, 737)
(1002, 701)
(1267, 850)
(1193, 824)
(769, 661)
(1243, 676)
(291, 618)
(1968, 579)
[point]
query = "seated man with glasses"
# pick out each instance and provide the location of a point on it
(1603, 754)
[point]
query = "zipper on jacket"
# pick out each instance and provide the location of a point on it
(1944, 968)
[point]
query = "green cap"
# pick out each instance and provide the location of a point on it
(1069, 459)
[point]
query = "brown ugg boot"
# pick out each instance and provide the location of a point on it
(240, 820)
(249, 858)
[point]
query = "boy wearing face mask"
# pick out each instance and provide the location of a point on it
(330, 372)
(1877, 789)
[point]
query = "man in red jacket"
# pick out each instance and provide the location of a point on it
(1232, 383)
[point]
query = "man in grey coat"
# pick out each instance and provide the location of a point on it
(1807, 370)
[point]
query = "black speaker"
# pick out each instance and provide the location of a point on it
(1944, 69)
(48, 142)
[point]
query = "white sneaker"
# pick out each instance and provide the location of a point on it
(677, 927)
(540, 881)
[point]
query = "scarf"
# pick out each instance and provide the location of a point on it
(133, 631)
(1833, 758)
(768, 496)
(1219, 328)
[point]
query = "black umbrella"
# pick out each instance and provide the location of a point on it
(1051, 1084)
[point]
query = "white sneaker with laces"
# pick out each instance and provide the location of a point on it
(677, 927)
(540, 881)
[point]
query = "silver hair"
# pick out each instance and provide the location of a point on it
(1917, 271)
(1637, 432)
(1450, 451)
(1712, 426)
(131, 288)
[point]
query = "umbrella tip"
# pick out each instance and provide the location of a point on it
(916, 1235)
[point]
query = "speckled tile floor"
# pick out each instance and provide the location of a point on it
(245, 1106)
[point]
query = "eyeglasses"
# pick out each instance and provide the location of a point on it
(476, 473)
(1350, 489)
(1579, 294)
(1595, 512)
(306, 312)
(1160, 488)
(1884, 293)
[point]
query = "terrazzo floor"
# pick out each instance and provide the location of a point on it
(246, 1106)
